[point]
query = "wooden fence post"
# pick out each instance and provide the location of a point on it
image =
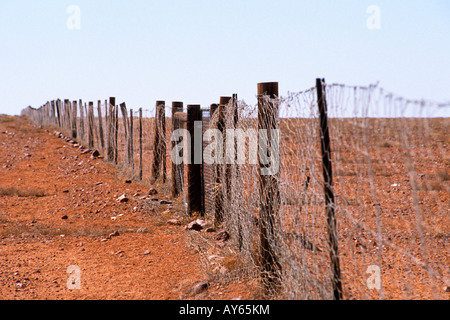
(106, 124)
(123, 109)
(140, 144)
(91, 125)
(81, 121)
(177, 169)
(328, 188)
(116, 135)
(217, 174)
(111, 123)
(67, 115)
(221, 179)
(74, 119)
(268, 187)
(159, 151)
(52, 112)
(224, 103)
(131, 142)
(58, 112)
(236, 120)
(194, 194)
(100, 125)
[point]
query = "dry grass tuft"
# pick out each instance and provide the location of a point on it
(21, 192)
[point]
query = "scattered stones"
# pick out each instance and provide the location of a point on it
(165, 202)
(201, 222)
(65, 217)
(146, 252)
(196, 225)
(174, 222)
(122, 199)
(128, 181)
(222, 236)
(447, 289)
(113, 234)
(210, 229)
(95, 154)
(152, 192)
(200, 287)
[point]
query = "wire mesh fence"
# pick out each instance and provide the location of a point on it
(390, 184)
(390, 160)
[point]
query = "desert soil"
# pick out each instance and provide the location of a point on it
(59, 209)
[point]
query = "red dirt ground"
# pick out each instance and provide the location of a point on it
(57, 209)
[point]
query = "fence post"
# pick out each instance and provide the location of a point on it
(123, 109)
(140, 144)
(194, 174)
(53, 111)
(106, 124)
(81, 120)
(100, 125)
(177, 169)
(91, 125)
(236, 120)
(217, 188)
(74, 119)
(110, 123)
(268, 186)
(58, 111)
(328, 188)
(131, 142)
(116, 135)
(67, 114)
(159, 151)
(223, 105)
(220, 178)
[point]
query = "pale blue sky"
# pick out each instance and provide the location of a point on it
(196, 51)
